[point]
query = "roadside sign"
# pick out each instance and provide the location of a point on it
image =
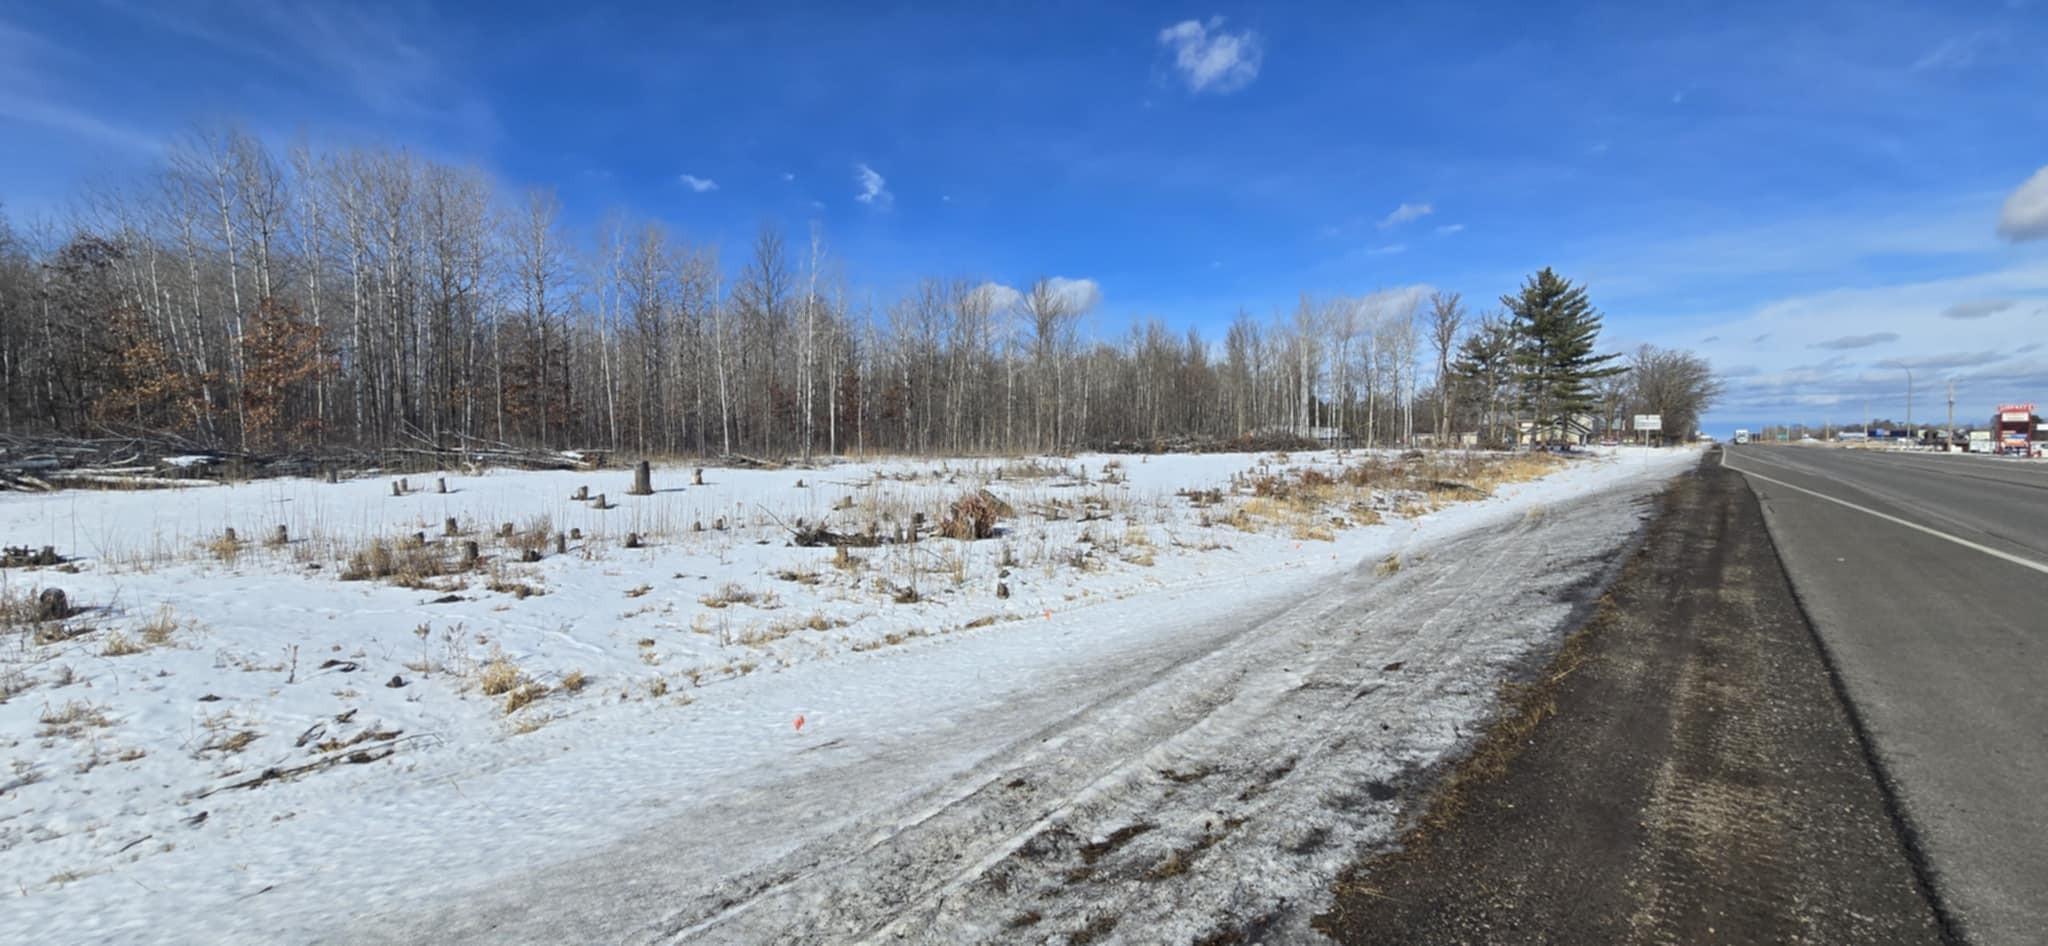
(1649, 422)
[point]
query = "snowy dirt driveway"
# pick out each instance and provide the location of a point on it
(1193, 763)
(1180, 766)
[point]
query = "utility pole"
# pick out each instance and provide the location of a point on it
(1949, 441)
(1910, 432)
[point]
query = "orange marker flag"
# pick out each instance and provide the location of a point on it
(799, 722)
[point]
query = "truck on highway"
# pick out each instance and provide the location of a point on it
(1741, 435)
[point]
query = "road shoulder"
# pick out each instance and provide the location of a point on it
(1683, 772)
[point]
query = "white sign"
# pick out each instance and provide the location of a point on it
(1649, 422)
(2012, 417)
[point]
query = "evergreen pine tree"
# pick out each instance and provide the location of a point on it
(1556, 328)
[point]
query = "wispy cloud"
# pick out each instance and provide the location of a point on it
(1211, 60)
(1977, 310)
(2025, 215)
(32, 92)
(874, 189)
(1849, 342)
(1450, 228)
(1958, 52)
(1387, 250)
(788, 176)
(698, 184)
(1405, 213)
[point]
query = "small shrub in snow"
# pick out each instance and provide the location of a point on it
(524, 695)
(498, 677)
(157, 631)
(732, 593)
(118, 645)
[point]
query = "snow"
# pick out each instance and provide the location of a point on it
(944, 741)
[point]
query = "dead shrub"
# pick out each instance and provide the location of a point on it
(574, 681)
(408, 565)
(157, 631)
(498, 676)
(974, 516)
(524, 695)
(732, 593)
(119, 645)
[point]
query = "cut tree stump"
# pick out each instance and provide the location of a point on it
(643, 480)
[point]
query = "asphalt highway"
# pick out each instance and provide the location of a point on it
(1926, 577)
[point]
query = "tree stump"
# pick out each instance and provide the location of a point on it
(505, 531)
(599, 502)
(576, 534)
(52, 605)
(440, 484)
(283, 536)
(448, 526)
(697, 526)
(1002, 590)
(530, 555)
(643, 481)
(403, 486)
(799, 484)
(332, 476)
(697, 479)
(632, 540)
(582, 494)
(419, 540)
(719, 524)
(469, 554)
(561, 543)
(397, 487)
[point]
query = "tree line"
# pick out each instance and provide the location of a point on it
(247, 299)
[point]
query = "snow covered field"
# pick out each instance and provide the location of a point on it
(1133, 703)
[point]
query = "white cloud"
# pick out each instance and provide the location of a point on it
(1211, 60)
(1405, 213)
(698, 184)
(1000, 298)
(874, 189)
(788, 176)
(2025, 216)
(1450, 228)
(1388, 250)
(1081, 294)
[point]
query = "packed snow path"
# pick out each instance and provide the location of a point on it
(1157, 768)
(1209, 760)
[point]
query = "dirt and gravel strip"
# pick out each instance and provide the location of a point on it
(1686, 773)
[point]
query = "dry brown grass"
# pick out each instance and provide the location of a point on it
(574, 681)
(498, 676)
(732, 593)
(118, 644)
(157, 631)
(224, 548)
(406, 564)
(71, 720)
(524, 695)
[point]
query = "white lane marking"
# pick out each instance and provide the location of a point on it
(1937, 533)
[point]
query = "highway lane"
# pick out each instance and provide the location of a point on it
(1926, 578)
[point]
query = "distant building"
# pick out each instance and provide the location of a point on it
(1574, 430)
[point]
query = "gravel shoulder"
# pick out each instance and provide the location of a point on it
(1686, 772)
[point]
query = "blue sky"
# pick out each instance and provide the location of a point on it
(1806, 193)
